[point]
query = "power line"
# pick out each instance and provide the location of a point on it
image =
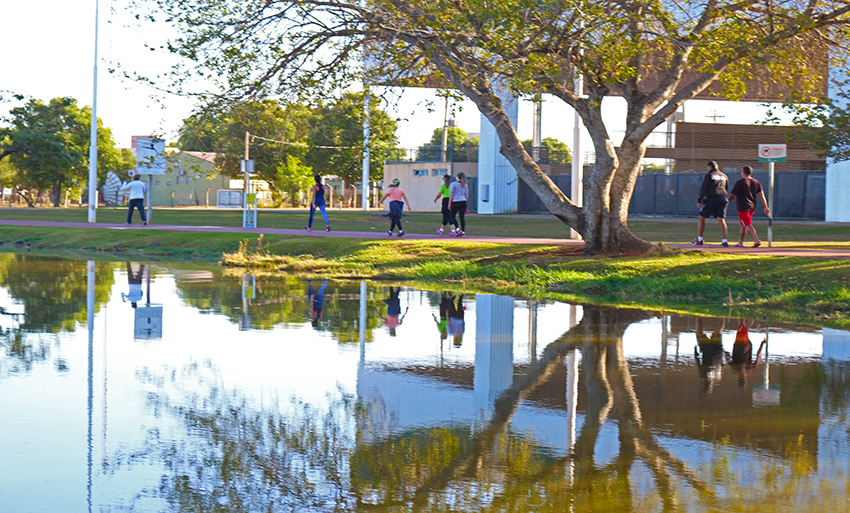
(305, 145)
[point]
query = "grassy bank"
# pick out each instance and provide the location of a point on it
(793, 289)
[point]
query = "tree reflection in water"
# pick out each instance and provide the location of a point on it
(51, 298)
(294, 456)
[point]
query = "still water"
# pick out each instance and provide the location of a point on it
(154, 387)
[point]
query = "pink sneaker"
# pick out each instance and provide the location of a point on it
(440, 231)
(452, 233)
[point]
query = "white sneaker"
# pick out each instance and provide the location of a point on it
(400, 233)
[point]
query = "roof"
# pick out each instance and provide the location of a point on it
(202, 155)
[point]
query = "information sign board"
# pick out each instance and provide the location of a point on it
(150, 156)
(772, 152)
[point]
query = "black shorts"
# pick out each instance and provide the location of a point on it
(714, 207)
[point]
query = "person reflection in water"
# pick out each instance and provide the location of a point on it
(135, 281)
(442, 323)
(742, 352)
(317, 301)
(456, 325)
(394, 316)
(709, 355)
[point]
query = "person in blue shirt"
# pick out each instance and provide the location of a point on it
(137, 198)
(318, 201)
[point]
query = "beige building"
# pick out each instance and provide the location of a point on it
(421, 180)
(191, 179)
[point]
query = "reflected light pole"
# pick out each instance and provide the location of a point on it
(90, 285)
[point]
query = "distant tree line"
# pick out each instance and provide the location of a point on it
(47, 145)
(290, 142)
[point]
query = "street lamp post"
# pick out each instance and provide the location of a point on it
(93, 136)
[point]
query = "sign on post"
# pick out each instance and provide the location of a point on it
(150, 156)
(246, 166)
(249, 212)
(772, 152)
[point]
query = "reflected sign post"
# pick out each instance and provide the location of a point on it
(771, 153)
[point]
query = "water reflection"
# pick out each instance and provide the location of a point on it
(394, 317)
(247, 403)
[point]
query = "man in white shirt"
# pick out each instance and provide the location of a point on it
(137, 198)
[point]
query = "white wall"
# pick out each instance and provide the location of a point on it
(498, 185)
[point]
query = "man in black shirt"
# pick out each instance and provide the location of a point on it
(712, 201)
(745, 191)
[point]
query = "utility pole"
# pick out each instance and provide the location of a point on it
(367, 135)
(93, 136)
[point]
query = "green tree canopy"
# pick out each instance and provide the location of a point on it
(554, 151)
(223, 133)
(48, 144)
(338, 126)
(461, 147)
(454, 135)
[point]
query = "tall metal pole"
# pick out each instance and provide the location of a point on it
(772, 205)
(367, 136)
(93, 136)
(537, 130)
(245, 176)
(445, 142)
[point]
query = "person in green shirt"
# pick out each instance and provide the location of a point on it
(446, 211)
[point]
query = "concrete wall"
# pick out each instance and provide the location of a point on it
(838, 192)
(421, 180)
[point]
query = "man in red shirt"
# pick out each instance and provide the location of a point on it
(745, 192)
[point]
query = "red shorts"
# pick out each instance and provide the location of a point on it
(746, 218)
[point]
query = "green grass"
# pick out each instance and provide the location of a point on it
(671, 230)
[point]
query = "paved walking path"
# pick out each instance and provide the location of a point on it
(378, 235)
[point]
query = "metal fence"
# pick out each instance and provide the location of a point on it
(797, 194)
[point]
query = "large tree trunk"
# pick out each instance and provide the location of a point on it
(603, 219)
(56, 194)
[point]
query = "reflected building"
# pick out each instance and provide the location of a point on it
(400, 399)
(494, 357)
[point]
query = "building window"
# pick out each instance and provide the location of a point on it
(420, 172)
(159, 183)
(179, 180)
(188, 180)
(439, 172)
(168, 184)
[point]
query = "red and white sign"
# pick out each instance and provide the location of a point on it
(772, 152)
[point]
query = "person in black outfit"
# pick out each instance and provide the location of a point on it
(456, 324)
(709, 355)
(712, 201)
(745, 192)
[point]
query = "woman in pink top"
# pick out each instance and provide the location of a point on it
(395, 195)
